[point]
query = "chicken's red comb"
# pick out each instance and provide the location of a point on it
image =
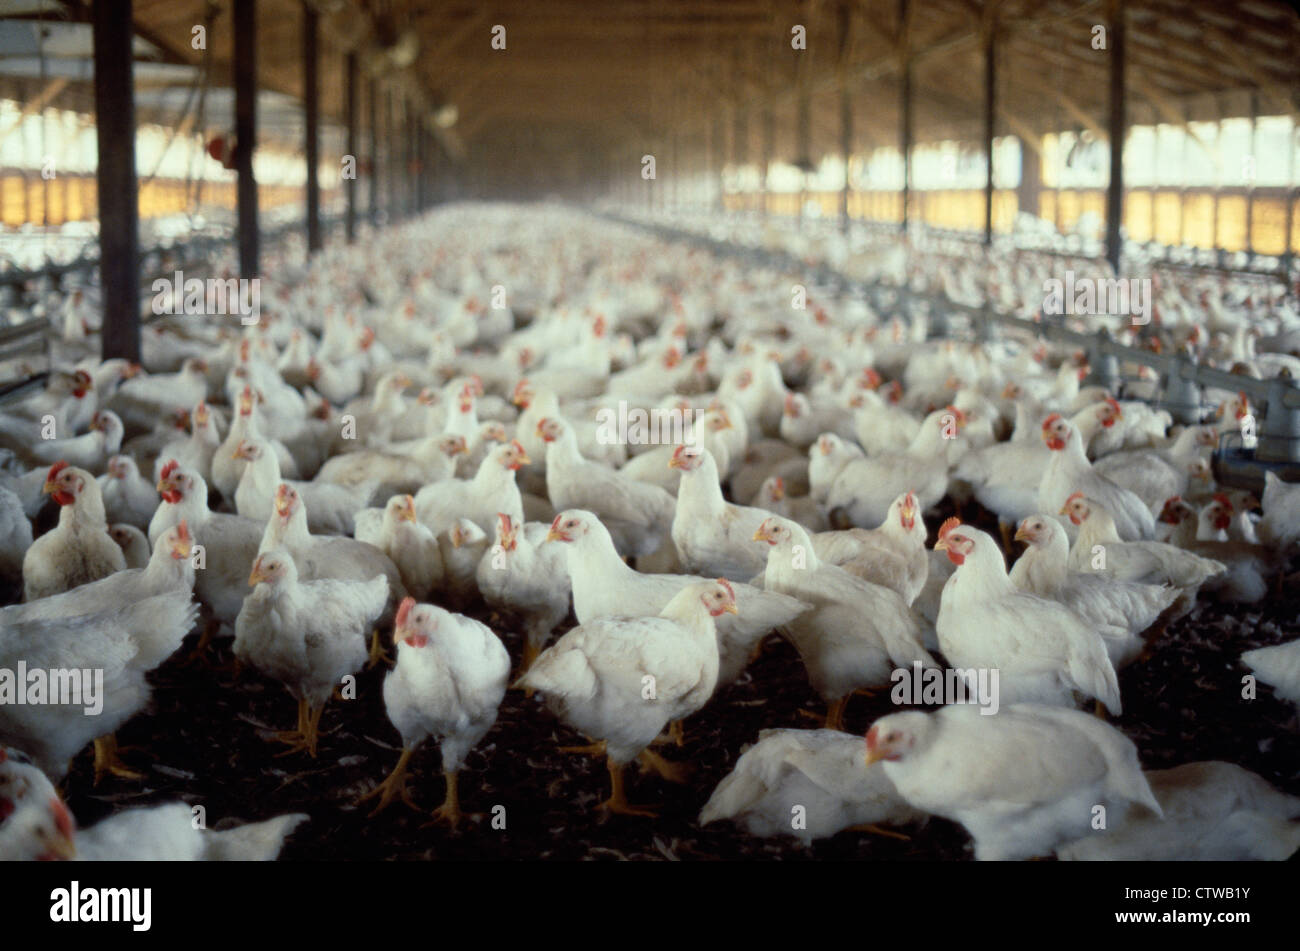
(1114, 403)
(1223, 500)
(730, 590)
(517, 446)
(1047, 423)
(171, 467)
(505, 522)
(778, 483)
(910, 499)
(404, 610)
(1073, 496)
(951, 525)
(56, 469)
(555, 524)
(679, 450)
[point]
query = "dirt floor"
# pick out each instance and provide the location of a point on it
(206, 741)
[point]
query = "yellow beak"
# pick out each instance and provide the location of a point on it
(49, 488)
(1065, 509)
(731, 608)
(941, 545)
(874, 756)
(760, 536)
(1022, 535)
(257, 577)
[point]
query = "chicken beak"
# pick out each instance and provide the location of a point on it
(1065, 509)
(940, 545)
(1022, 535)
(555, 535)
(62, 847)
(674, 463)
(875, 756)
(760, 535)
(731, 608)
(523, 459)
(49, 488)
(164, 485)
(257, 577)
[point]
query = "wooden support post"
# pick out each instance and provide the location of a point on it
(119, 249)
(311, 110)
(244, 24)
(350, 184)
(1115, 190)
(372, 115)
(905, 110)
(990, 116)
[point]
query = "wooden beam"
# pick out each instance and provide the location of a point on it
(990, 119)
(350, 184)
(311, 124)
(119, 250)
(244, 26)
(1118, 119)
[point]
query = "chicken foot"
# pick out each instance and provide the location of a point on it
(673, 772)
(108, 761)
(377, 652)
(394, 787)
(617, 802)
(448, 813)
(304, 738)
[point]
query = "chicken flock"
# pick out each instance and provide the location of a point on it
(634, 462)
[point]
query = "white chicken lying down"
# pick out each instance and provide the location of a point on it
(329, 556)
(1022, 782)
(431, 460)
(857, 632)
(36, 825)
(1279, 667)
(604, 585)
(412, 547)
(520, 573)
(307, 635)
(1043, 650)
(713, 536)
(622, 679)
(123, 639)
(892, 555)
(79, 549)
(128, 496)
(1120, 611)
(1213, 811)
(1098, 548)
(331, 509)
(637, 514)
(810, 784)
(449, 681)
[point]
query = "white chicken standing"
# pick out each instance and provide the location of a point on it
(128, 496)
(449, 681)
(307, 635)
(520, 573)
(713, 536)
(1043, 650)
(79, 549)
(1069, 471)
(857, 633)
(412, 547)
(604, 585)
(1021, 782)
(623, 679)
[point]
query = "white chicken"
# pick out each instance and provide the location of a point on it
(1022, 782)
(412, 547)
(1279, 667)
(892, 554)
(479, 499)
(128, 496)
(1069, 471)
(623, 679)
(331, 509)
(1120, 610)
(519, 573)
(307, 635)
(604, 585)
(713, 536)
(857, 632)
(637, 514)
(79, 549)
(810, 784)
(1043, 650)
(449, 681)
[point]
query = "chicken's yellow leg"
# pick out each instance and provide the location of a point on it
(617, 801)
(835, 713)
(673, 772)
(449, 812)
(297, 739)
(107, 760)
(394, 787)
(377, 652)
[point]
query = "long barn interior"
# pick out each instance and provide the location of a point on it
(653, 431)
